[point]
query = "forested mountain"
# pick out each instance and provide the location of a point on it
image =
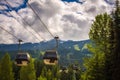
(43, 45)
(101, 62)
(69, 51)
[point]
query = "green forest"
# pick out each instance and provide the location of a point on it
(102, 65)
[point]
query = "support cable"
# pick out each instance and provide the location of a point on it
(9, 33)
(27, 24)
(30, 26)
(40, 19)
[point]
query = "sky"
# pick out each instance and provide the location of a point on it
(68, 19)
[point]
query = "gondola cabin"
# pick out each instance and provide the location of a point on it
(50, 57)
(22, 59)
(75, 68)
(63, 69)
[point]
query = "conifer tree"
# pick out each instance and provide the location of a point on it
(42, 78)
(38, 67)
(116, 55)
(49, 75)
(78, 75)
(28, 72)
(0, 68)
(43, 73)
(73, 76)
(64, 76)
(100, 34)
(6, 72)
(55, 71)
(16, 70)
(94, 67)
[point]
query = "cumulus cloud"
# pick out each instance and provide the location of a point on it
(69, 20)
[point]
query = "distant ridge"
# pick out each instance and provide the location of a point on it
(41, 45)
(68, 51)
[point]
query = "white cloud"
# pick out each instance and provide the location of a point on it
(70, 21)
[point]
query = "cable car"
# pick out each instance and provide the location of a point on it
(50, 57)
(64, 69)
(22, 59)
(75, 67)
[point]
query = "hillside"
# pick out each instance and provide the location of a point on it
(69, 51)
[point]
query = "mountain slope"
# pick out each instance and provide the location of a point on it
(69, 51)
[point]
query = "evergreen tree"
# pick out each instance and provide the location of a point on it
(43, 73)
(64, 76)
(49, 75)
(55, 71)
(100, 34)
(28, 72)
(58, 75)
(94, 66)
(42, 78)
(73, 76)
(78, 75)
(38, 67)
(116, 55)
(0, 68)
(16, 70)
(6, 72)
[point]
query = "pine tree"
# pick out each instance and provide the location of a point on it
(73, 76)
(16, 70)
(71, 73)
(94, 66)
(43, 73)
(6, 72)
(42, 78)
(55, 71)
(100, 34)
(64, 76)
(28, 72)
(38, 67)
(116, 55)
(49, 75)
(0, 67)
(78, 75)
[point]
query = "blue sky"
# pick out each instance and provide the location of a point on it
(111, 2)
(9, 8)
(78, 1)
(71, 0)
(23, 4)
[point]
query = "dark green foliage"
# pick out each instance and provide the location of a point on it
(42, 78)
(16, 70)
(38, 67)
(49, 75)
(50, 72)
(94, 68)
(100, 34)
(116, 51)
(6, 72)
(35, 70)
(71, 74)
(64, 76)
(44, 72)
(28, 72)
(105, 35)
